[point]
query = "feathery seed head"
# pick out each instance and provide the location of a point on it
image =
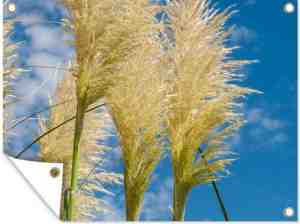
(203, 108)
(106, 34)
(11, 69)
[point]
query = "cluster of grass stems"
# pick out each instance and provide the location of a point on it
(170, 80)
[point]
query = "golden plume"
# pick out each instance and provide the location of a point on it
(106, 34)
(204, 98)
(137, 106)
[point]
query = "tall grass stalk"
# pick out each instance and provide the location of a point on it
(56, 146)
(79, 120)
(204, 96)
(218, 194)
(102, 47)
(137, 107)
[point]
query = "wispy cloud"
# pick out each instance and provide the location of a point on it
(262, 131)
(116, 209)
(243, 35)
(44, 45)
(46, 6)
(250, 2)
(158, 203)
(259, 116)
(50, 39)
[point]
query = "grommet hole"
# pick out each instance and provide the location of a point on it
(54, 172)
(289, 8)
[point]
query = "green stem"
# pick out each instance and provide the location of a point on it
(217, 192)
(134, 200)
(180, 194)
(52, 130)
(64, 193)
(220, 200)
(133, 196)
(80, 112)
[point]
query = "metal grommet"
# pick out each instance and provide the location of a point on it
(54, 172)
(288, 212)
(289, 8)
(12, 7)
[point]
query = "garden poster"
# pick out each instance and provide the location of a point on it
(154, 110)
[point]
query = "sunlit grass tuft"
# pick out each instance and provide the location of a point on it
(204, 97)
(137, 107)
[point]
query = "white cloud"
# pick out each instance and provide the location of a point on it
(28, 19)
(279, 138)
(156, 206)
(45, 48)
(48, 5)
(44, 38)
(33, 89)
(254, 115)
(262, 131)
(158, 203)
(243, 35)
(51, 39)
(250, 2)
(236, 139)
(46, 52)
(116, 209)
(272, 124)
(51, 62)
(256, 133)
(259, 116)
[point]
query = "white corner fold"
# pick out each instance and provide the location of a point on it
(38, 176)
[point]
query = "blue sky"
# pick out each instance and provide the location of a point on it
(263, 180)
